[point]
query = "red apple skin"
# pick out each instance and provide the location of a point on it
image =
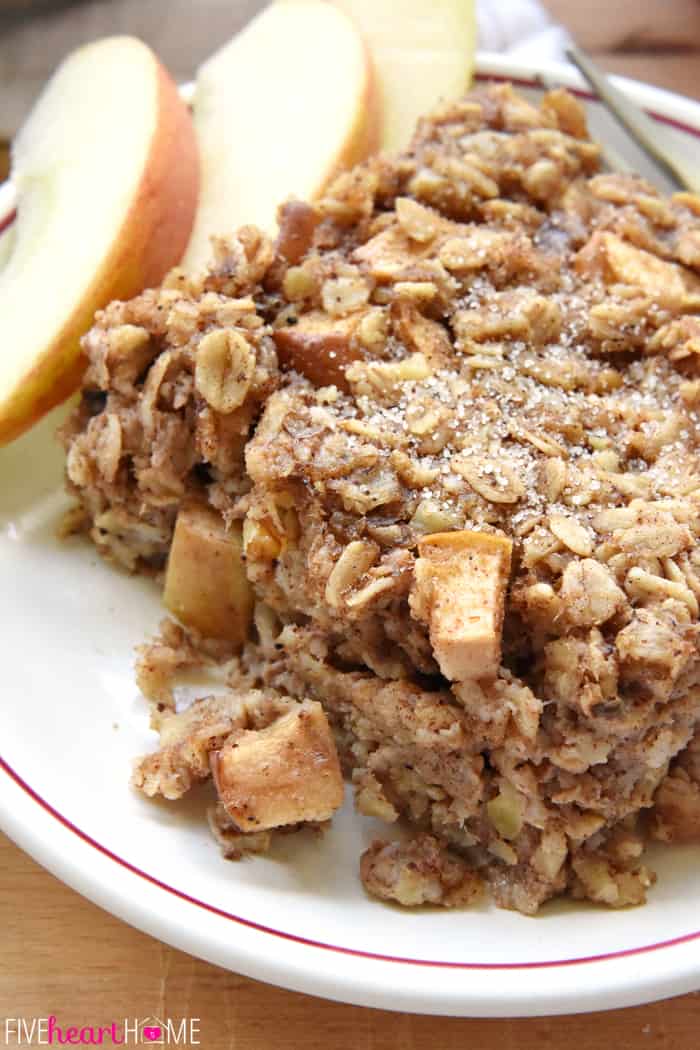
(152, 240)
(170, 187)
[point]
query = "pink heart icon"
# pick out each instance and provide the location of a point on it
(152, 1034)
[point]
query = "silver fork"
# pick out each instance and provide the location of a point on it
(640, 127)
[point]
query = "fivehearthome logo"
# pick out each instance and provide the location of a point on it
(130, 1031)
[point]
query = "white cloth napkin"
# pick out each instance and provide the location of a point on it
(521, 28)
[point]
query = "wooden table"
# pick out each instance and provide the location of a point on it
(62, 955)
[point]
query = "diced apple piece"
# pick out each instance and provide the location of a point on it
(319, 347)
(423, 52)
(279, 111)
(297, 222)
(206, 585)
(459, 591)
(106, 171)
(284, 774)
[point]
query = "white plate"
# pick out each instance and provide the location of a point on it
(72, 719)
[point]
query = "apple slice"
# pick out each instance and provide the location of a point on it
(279, 111)
(106, 171)
(423, 51)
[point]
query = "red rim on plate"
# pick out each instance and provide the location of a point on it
(308, 941)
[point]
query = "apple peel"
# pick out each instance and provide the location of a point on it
(107, 183)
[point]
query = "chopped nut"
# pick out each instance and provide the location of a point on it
(384, 379)
(343, 295)
(589, 593)
(430, 517)
(130, 350)
(580, 672)
(506, 811)
(298, 283)
(297, 222)
(372, 330)
(541, 179)
(259, 542)
(414, 473)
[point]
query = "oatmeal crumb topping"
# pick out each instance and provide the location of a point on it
(489, 337)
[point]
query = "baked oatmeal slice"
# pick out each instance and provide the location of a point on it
(533, 399)
(176, 377)
(486, 337)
